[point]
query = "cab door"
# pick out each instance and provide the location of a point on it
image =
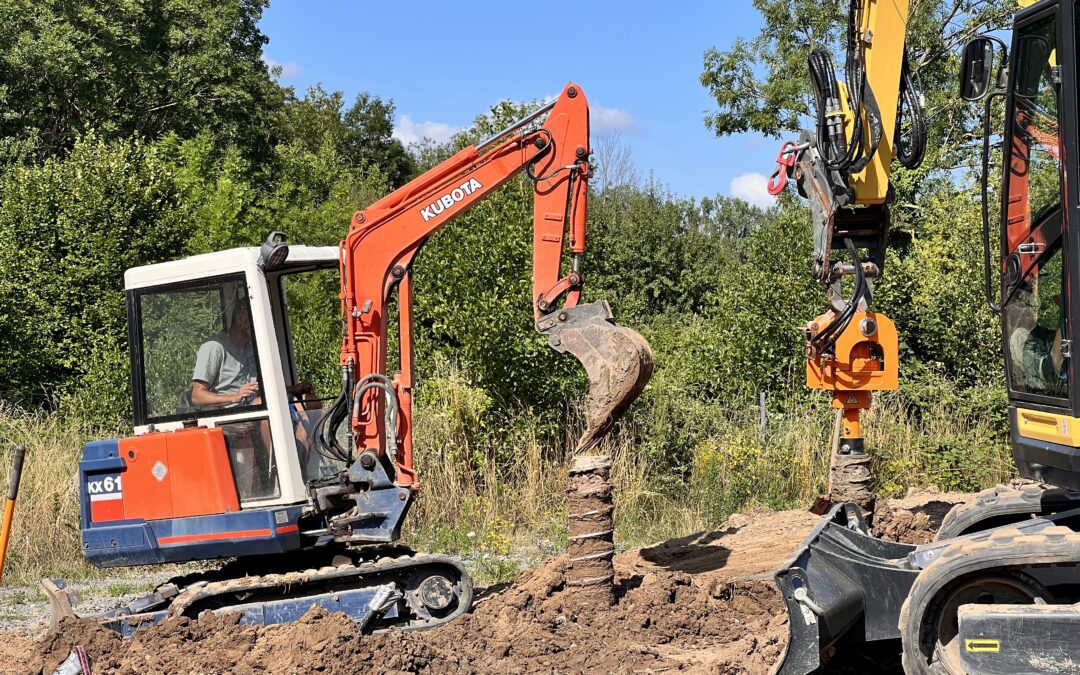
(1039, 263)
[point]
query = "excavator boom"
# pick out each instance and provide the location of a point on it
(385, 238)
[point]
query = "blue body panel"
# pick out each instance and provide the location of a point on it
(122, 543)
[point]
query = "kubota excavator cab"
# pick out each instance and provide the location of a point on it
(214, 479)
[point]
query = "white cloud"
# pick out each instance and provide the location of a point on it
(752, 187)
(409, 132)
(603, 119)
(288, 70)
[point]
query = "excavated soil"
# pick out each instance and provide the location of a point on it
(704, 603)
(915, 518)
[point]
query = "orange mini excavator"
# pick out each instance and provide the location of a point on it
(231, 459)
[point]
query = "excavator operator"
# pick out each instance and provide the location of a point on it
(225, 372)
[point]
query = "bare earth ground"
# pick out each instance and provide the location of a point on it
(704, 603)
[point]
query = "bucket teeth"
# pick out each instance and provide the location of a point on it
(618, 361)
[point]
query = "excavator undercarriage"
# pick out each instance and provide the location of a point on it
(959, 604)
(379, 587)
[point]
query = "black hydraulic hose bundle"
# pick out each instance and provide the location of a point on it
(826, 338)
(910, 148)
(837, 152)
(326, 429)
(831, 140)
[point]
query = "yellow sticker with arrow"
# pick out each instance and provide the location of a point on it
(991, 646)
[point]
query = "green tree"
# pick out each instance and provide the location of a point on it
(119, 68)
(361, 135)
(69, 228)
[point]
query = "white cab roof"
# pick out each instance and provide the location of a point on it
(220, 262)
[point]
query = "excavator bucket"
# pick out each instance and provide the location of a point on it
(843, 586)
(618, 360)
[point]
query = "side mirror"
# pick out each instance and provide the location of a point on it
(976, 68)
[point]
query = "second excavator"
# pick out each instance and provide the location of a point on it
(998, 590)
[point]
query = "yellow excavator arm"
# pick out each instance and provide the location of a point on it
(843, 167)
(882, 28)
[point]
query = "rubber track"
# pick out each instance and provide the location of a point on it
(195, 590)
(1001, 501)
(1006, 549)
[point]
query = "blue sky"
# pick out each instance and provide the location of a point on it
(443, 63)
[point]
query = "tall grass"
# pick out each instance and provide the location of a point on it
(45, 539)
(680, 465)
(493, 482)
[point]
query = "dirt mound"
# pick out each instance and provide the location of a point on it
(697, 604)
(318, 642)
(661, 621)
(703, 603)
(748, 546)
(18, 655)
(915, 518)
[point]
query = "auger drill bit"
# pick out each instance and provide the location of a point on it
(618, 360)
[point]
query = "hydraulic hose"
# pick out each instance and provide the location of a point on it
(839, 154)
(912, 146)
(826, 338)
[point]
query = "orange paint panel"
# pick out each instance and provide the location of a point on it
(202, 480)
(146, 496)
(177, 474)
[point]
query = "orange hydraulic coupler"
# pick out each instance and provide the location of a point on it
(863, 359)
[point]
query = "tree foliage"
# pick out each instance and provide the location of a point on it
(128, 67)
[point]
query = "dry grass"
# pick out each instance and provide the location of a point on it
(45, 539)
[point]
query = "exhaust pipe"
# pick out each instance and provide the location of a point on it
(618, 360)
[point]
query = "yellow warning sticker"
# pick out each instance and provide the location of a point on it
(993, 646)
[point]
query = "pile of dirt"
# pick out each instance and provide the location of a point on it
(915, 518)
(662, 620)
(318, 642)
(704, 603)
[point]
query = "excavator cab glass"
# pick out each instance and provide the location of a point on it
(224, 341)
(199, 358)
(1038, 246)
(1035, 285)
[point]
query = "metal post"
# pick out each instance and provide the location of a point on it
(763, 419)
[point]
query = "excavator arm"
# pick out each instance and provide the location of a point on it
(551, 147)
(842, 167)
(989, 594)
